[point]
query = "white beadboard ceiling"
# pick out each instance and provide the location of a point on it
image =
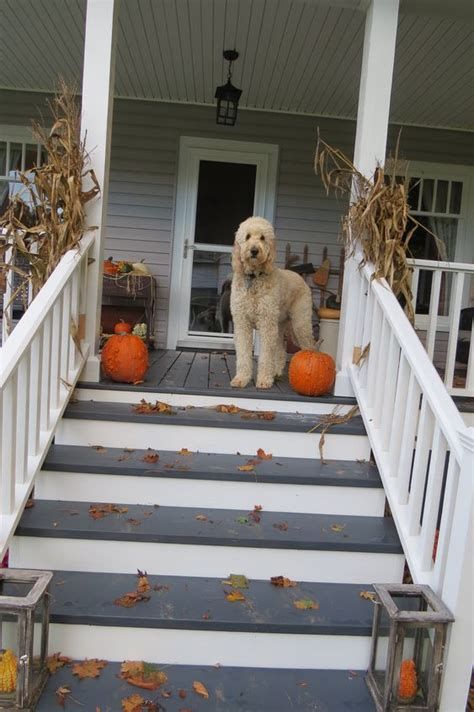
(298, 56)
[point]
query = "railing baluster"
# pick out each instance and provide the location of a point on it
(65, 335)
(423, 443)
(8, 463)
(36, 376)
(45, 397)
(22, 408)
(361, 300)
(410, 415)
(369, 303)
(433, 314)
(432, 499)
(55, 383)
(394, 432)
(373, 355)
(385, 342)
(387, 392)
(470, 364)
(454, 312)
(447, 517)
(414, 287)
(74, 317)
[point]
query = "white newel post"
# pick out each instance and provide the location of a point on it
(370, 145)
(96, 127)
(458, 588)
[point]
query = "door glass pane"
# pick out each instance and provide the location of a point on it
(31, 156)
(210, 292)
(15, 158)
(441, 196)
(225, 197)
(456, 195)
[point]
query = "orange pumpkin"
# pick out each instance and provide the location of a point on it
(408, 680)
(110, 267)
(122, 328)
(125, 358)
(312, 373)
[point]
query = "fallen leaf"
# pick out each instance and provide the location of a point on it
(201, 517)
(282, 582)
(62, 695)
(185, 451)
(134, 703)
(56, 661)
(199, 689)
(246, 468)
(337, 527)
(228, 409)
(99, 511)
(144, 675)
(282, 526)
(161, 587)
(233, 596)
(368, 595)
(254, 515)
(264, 455)
(237, 581)
(305, 604)
(182, 694)
(206, 616)
(129, 449)
(99, 448)
(30, 503)
(134, 522)
(166, 693)
(151, 457)
(242, 520)
(144, 407)
(88, 668)
(143, 584)
(131, 668)
(128, 600)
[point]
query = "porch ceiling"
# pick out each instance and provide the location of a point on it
(297, 56)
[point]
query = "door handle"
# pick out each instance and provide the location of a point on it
(188, 246)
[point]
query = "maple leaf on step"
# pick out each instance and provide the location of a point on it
(200, 690)
(368, 595)
(128, 600)
(182, 694)
(306, 604)
(233, 596)
(62, 694)
(151, 457)
(228, 409)
(99, 511)
(201, 518)
(143, 584)
(131, 668)
(88, 668)
(237, 581)
(337, 527)
(99, 448)
(246, 468)
(282, 582)
(56, 661)
(264, 455)
(144, 675)
(185, 451)
(282, 526)
(255, 513)
(134, 703)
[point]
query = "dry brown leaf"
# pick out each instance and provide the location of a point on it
(131, 668)
(282, 526)
(182, 694)
(62, 693)
(201, 518)
(99, 511)
(237, 581)
(305, 604)
(254, 515)
(337, 528)
(56, 661)
(146, 676)
(151, 457)
(134, 703)
(283, 582)
(145, 407)
(143, 584)
(99, 448)
(185, 451)
(264, 455)
(246, 468)
(233, 596)
(128, 600)
(199, 689)
(88, 668)
(228, 409)
(368, 595)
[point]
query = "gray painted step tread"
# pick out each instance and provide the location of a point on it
(211, 466)
(207, 417)
(230, 690)
(221, 527)
(198, 603)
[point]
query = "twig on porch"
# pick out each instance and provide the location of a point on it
(330, 419)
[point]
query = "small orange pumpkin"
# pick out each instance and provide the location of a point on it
(110, 267)
(408, 680)
(125, 358)
(312, 373)
(122, 328)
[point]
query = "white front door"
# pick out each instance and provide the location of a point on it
(220, 183)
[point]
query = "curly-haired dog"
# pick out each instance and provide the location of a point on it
(268, 299)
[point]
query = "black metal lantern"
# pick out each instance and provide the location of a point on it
(24, 612)
(227, 95)
(408, 640)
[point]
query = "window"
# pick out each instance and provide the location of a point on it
(18, 152)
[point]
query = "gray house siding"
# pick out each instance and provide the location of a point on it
(144, 163)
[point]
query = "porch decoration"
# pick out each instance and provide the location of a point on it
(24, 613)
(227, 95)
(125, 358)
(122, 328)
(312, 373)
(408, 639)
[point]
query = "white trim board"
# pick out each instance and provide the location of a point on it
(192, 149)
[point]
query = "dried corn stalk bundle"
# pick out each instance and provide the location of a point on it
(378, 220)
(52, 221)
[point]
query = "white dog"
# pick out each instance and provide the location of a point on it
(268, 299)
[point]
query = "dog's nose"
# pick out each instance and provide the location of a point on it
(254, 251)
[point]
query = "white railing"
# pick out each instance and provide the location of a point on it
(449, 291)
(39, 366)
(424, 453)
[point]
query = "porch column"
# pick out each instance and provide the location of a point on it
(96, 129)
(370, 146)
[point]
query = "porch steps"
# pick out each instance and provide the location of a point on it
(231, 689)
(190, 521)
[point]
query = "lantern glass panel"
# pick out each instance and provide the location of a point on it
(381, 651)
(9, 625)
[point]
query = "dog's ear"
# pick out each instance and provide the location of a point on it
(237, 259)
(269, 262)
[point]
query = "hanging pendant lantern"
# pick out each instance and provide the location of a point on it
(227, 95)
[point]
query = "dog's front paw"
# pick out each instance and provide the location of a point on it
(239, 381)
(264, 382)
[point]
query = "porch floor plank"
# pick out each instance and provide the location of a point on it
(198, 375)
(177, 374)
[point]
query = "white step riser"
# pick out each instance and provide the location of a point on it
(272, 650)
(182, 400)
(207, 439)
(127, 489)
(198, 560)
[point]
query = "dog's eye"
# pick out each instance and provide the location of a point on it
(262, 237)
(247, 237)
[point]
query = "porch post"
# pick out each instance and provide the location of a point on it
(96, 129)
(370, 145)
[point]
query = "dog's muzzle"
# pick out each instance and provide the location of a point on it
(254, 252)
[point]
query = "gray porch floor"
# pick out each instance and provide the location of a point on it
(204, 373)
